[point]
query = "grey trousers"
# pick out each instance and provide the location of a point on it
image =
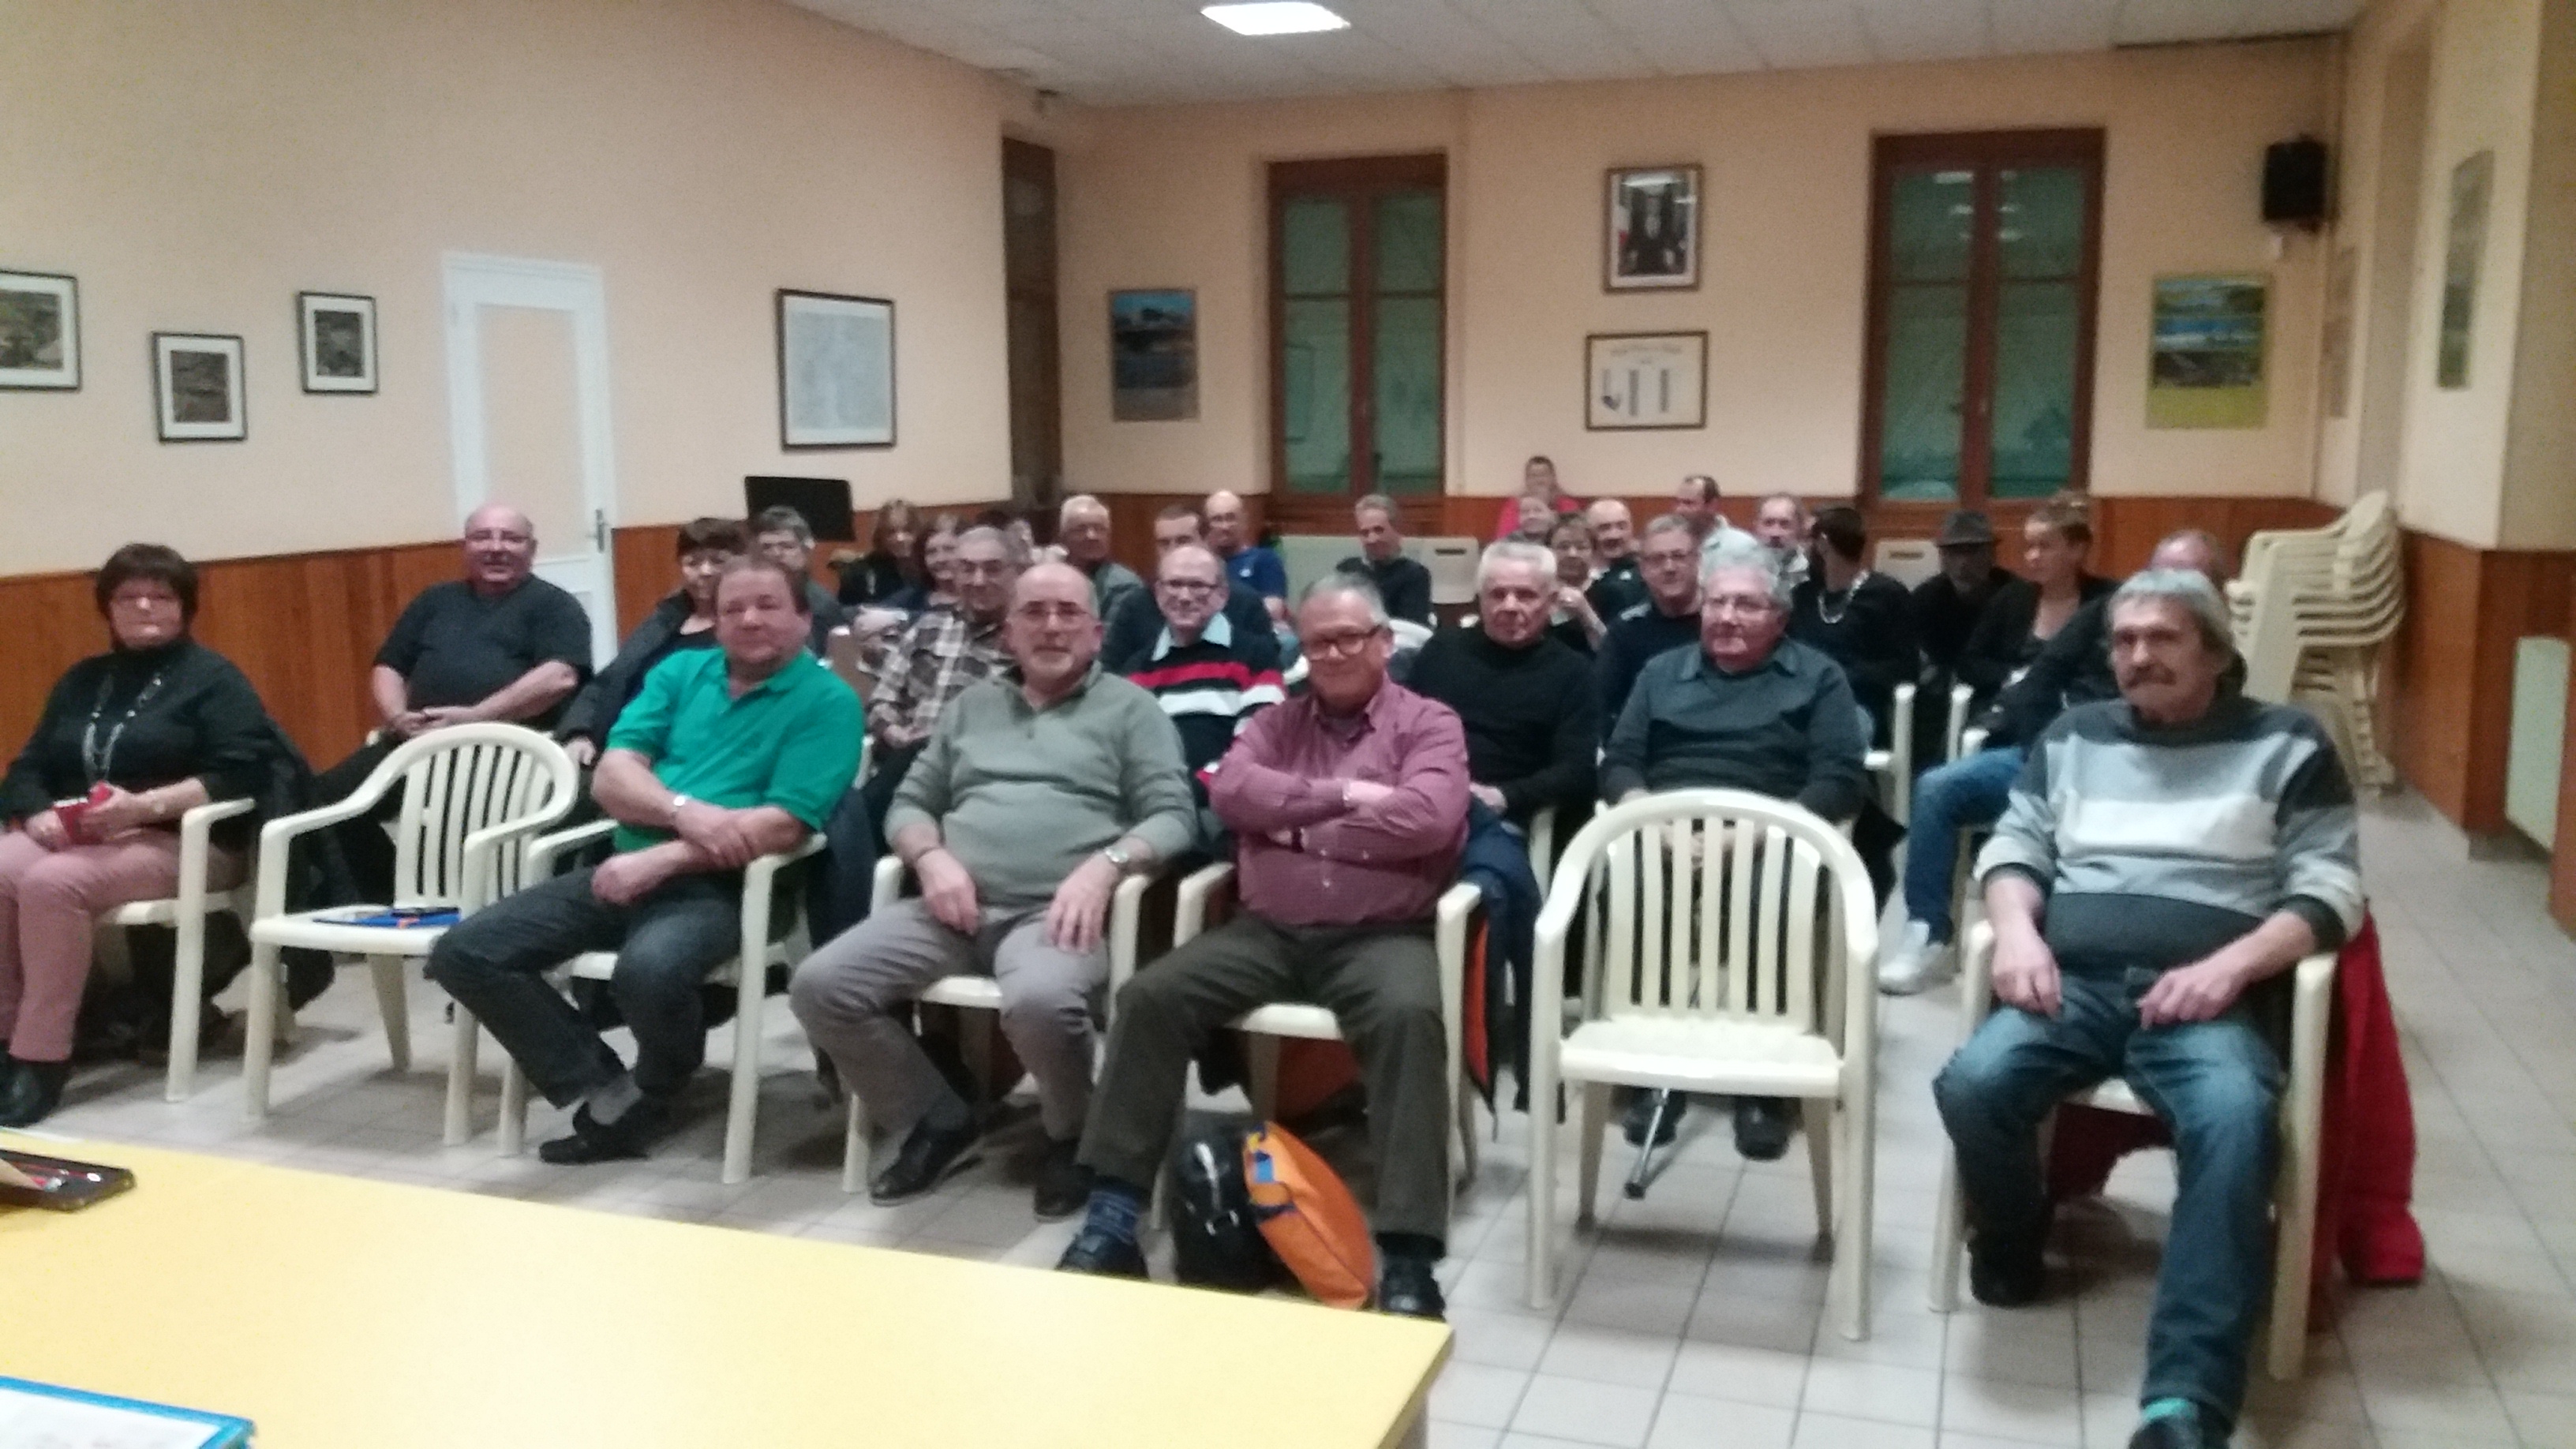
(1382, 984)
(846, 995)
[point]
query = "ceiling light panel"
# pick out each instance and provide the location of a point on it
(1275, 17)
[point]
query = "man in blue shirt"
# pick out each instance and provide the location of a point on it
(725, 755)
(1248, 563)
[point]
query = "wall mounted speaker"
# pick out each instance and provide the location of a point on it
(2294, 183)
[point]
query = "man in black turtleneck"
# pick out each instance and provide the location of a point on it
(1524, 697)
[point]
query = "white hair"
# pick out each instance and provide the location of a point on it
(1338, 582)
(2192, 590)
(1514, 551)
(1735, 551)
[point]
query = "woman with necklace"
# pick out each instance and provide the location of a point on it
(1863, 620)
(129, 741)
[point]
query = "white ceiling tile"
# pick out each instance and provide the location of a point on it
(1681, 37)
(2042, 27)
(2161, 22)
(1790, 33)
(1926, 29)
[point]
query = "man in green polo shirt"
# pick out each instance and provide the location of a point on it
(725, 755)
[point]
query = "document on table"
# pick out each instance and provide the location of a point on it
(35, 1416)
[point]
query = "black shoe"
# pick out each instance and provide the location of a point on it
(2195, 1430)
(1095, 1252)
(1405, 1287)
(927, 1159)
(591, 1140)
(1761, 1128)
(1641, 1110)
(2007, 1272)
(1064, 1185)
(32, 1091)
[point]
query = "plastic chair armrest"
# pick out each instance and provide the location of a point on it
(1190, 907)
(543, 850)
(886, 886)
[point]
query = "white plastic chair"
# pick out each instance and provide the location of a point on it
(1758, 982)
(185, 913)
(1954, 737)
(1265, 1025)
(982, 993)
(759, 881)
(1894, 766)
(472, 795)
(2294, 1193)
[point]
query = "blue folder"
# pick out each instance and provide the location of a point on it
(25, 1403)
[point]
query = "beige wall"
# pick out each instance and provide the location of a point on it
(1174, 197)
(196, 165)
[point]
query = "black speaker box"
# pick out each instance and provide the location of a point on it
(825, 502)
(2294, 183)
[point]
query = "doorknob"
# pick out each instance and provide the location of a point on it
(599, 529)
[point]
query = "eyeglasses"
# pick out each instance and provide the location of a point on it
(1187, 588)
(1337, 646)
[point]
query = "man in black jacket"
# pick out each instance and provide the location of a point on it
(1531, 721)
(1402, 582)
(685, 619)
(1668, 556)
(1136, 621)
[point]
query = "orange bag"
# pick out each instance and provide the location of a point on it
(1309, 1218)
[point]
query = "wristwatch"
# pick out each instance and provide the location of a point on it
(1118, 856)
(679, 802)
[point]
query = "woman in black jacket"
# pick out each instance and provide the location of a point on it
(129, 741)
(684, 620)
(1863, 620)
(2026, 613)
(890, 571)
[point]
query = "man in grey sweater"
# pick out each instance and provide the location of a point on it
(2161, 853)
(1035, 793)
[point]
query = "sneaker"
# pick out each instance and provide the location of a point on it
(1096, 1252)
(1063, 1184)
(1762, 1128)
(2192, 1428)
(1914, 961)
(1641, 1113)
(928, 1158)
(1406, 1287)
(2006, 1273)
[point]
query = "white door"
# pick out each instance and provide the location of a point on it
(527, 390)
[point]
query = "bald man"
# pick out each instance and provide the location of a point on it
(498, 644)
(1082, 531)
(1246, 562)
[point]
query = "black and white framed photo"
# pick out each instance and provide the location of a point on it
(39, 331)
(835, 371)
(338, 337)
(1644, 381)
(1652, 236)
(197, 388)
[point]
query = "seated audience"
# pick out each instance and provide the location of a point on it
(1348, 806)
(1781, 525)
(1037, 792)
(1669, 561)
(1082, 535)
(938, 554)
(1696, 501)
(888, 575)
(1246, 562)
(2162, 854)
(784, 537)
(1209, 676)
(1130, 631)
(1859, 618)
(499, 644)
(1538, 514)
(1944, 609)
(726, 754)
(1524, 698)
(139, 736)
(1538, 475)
(686, 619)
(2028, 611)
(2073, 668)
(1748, 708)
(1571, 617)
(1616, 587)
(946, 649)
(1403, 582)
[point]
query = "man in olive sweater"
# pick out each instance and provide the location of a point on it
(1036, 792)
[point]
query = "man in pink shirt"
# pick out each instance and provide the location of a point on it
(1349, 806)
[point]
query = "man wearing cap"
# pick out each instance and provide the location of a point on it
(1945, 609)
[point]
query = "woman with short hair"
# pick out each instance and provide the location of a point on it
(1572, 618)
(129, 741)
(1862, 619)
(685, 619)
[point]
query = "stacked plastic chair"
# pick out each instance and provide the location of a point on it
(2337, 595)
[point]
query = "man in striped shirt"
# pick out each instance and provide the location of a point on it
(1208, 677)
(2162, 853)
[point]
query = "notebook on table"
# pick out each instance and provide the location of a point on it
(43, 1416)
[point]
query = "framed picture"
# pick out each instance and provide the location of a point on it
(2471, 182)
(1652, 229)
(338, 336)
(835, 371)
(2205, 367)
(1154, 356)
(39, 331)
(197, 386)
(1641, 381)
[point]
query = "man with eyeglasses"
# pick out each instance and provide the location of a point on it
(1668, 563)
(1210, 677)
(1035, 793)
(499, 644)
(1082, 531)
(1136, 621)
(1349, 809)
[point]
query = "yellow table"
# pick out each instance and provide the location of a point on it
(339, 1313)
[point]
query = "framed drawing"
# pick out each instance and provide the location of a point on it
(337, 335)
(1651, 230)
(2471, 182)
(39, 331)
(1641, 381)
(1153, 356)
(2205, 364)
(835, 371)
(197, 388)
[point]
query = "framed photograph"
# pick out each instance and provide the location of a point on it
(338, 336)
(1652, 229)
(2464, 249)
(1642, 381)
(2205, 368)
(39, 331)
(1154, 356)
(197, 388)
(835, 371)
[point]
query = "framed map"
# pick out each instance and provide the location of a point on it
(835, 371)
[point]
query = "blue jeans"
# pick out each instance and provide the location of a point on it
(1947, 799)
(2215, 1084)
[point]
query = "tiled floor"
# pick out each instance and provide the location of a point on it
(1692, 1316)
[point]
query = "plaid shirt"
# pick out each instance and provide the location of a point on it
(935, 657)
